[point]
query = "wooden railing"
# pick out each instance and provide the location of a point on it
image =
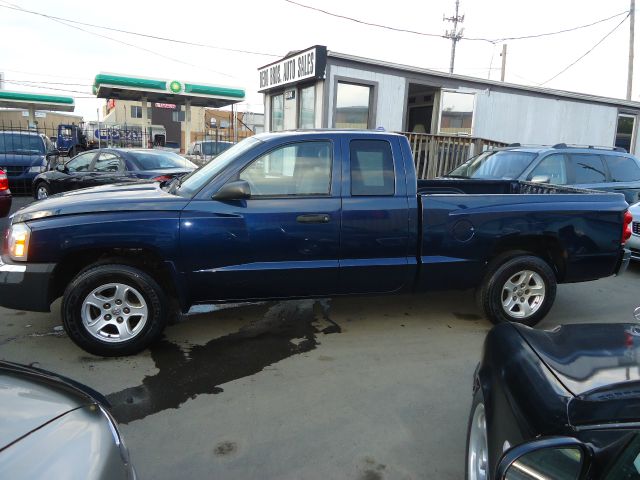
(436, 155)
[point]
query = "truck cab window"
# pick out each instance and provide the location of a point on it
(371, 168)
(296, 169)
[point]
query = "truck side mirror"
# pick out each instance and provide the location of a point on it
(238, 190)
(551, 457)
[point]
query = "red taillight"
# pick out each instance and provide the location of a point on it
(626, 226)
(4, 181)
(162, 178)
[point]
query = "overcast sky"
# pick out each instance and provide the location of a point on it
(37, 49)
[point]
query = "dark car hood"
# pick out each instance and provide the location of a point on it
(107, 198)
(598, 363)
(31, 397)
(10, 159)
(588, 356)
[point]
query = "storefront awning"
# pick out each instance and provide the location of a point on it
(36, 101)
(109, 85)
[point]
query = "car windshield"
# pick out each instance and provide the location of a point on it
(500, 165)
(193, 182)
(160, 160)
(21, 144)
(215, 148)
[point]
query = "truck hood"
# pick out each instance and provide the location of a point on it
(106, 198)
(30, 397)
(14, 160)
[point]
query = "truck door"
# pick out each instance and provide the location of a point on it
(375, 216)
(282, 242)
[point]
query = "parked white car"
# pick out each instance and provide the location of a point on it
(634, 242)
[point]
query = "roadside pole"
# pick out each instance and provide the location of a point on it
(504, 61)
(187, 125)
(145, 127)
(632, 24)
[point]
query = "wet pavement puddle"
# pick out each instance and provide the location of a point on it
(286, 329)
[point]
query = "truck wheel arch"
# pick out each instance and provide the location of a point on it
(144, 259)
(547, 247)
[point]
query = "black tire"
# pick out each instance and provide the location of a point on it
(478, 399)
(96, 276)
(39, 185)
(490, 293)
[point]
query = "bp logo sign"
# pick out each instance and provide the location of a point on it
(175, 87)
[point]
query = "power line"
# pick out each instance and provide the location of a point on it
(586, 53)
(34, 85)
(435, 35)
(53, 83)
(63, 22)
(146, 35)
(40, 74)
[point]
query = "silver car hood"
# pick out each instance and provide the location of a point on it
(30, 400)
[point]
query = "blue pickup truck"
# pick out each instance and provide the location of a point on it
(301, 214)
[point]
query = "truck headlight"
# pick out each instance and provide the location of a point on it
(19, 242)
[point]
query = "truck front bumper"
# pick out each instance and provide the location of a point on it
(25, 286)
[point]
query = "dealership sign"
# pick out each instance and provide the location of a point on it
(303, 65)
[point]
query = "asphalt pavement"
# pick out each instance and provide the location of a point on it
(352, 388)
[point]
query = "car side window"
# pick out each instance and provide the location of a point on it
(296, 169)
(80, 163)
(107, 162)
(554, 166)
(371, 168)
(622, 169)
(587, 168)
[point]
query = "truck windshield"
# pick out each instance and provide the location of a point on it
(20, 144)
(193, 182)
(500, 165)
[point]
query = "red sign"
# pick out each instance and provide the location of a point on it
(166, 105)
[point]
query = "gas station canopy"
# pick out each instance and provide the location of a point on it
(109, 85)
(36, 101)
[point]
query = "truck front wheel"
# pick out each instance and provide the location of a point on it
(113, 310)
(519, 289)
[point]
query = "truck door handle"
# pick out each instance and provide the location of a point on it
(314, 218)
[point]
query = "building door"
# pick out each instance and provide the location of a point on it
(625, 132)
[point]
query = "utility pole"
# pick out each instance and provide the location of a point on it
(504, 61)
(632, 24)
(454, 34)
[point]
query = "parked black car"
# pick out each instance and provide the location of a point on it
(557, 404)
(608, 169)
(54, 427)
(110, 165)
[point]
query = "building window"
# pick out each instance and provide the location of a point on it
(306, 119)
(456, 113)
(177, 116)
(624, 131)
(277, 112)
(136, 111)
(352, 106)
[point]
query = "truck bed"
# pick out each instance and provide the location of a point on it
(465, 222)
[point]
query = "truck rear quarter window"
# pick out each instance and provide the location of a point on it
(371, 168)
(622, 169)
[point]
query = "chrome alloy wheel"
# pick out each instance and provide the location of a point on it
(114, 312)
(523, 294)
(42, 192)
(477, 455)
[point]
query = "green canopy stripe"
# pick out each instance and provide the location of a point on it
(35, 98)
(130, 82)
(219, 91)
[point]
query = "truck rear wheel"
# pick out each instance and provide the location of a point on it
(113, 310)
(519, 289)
